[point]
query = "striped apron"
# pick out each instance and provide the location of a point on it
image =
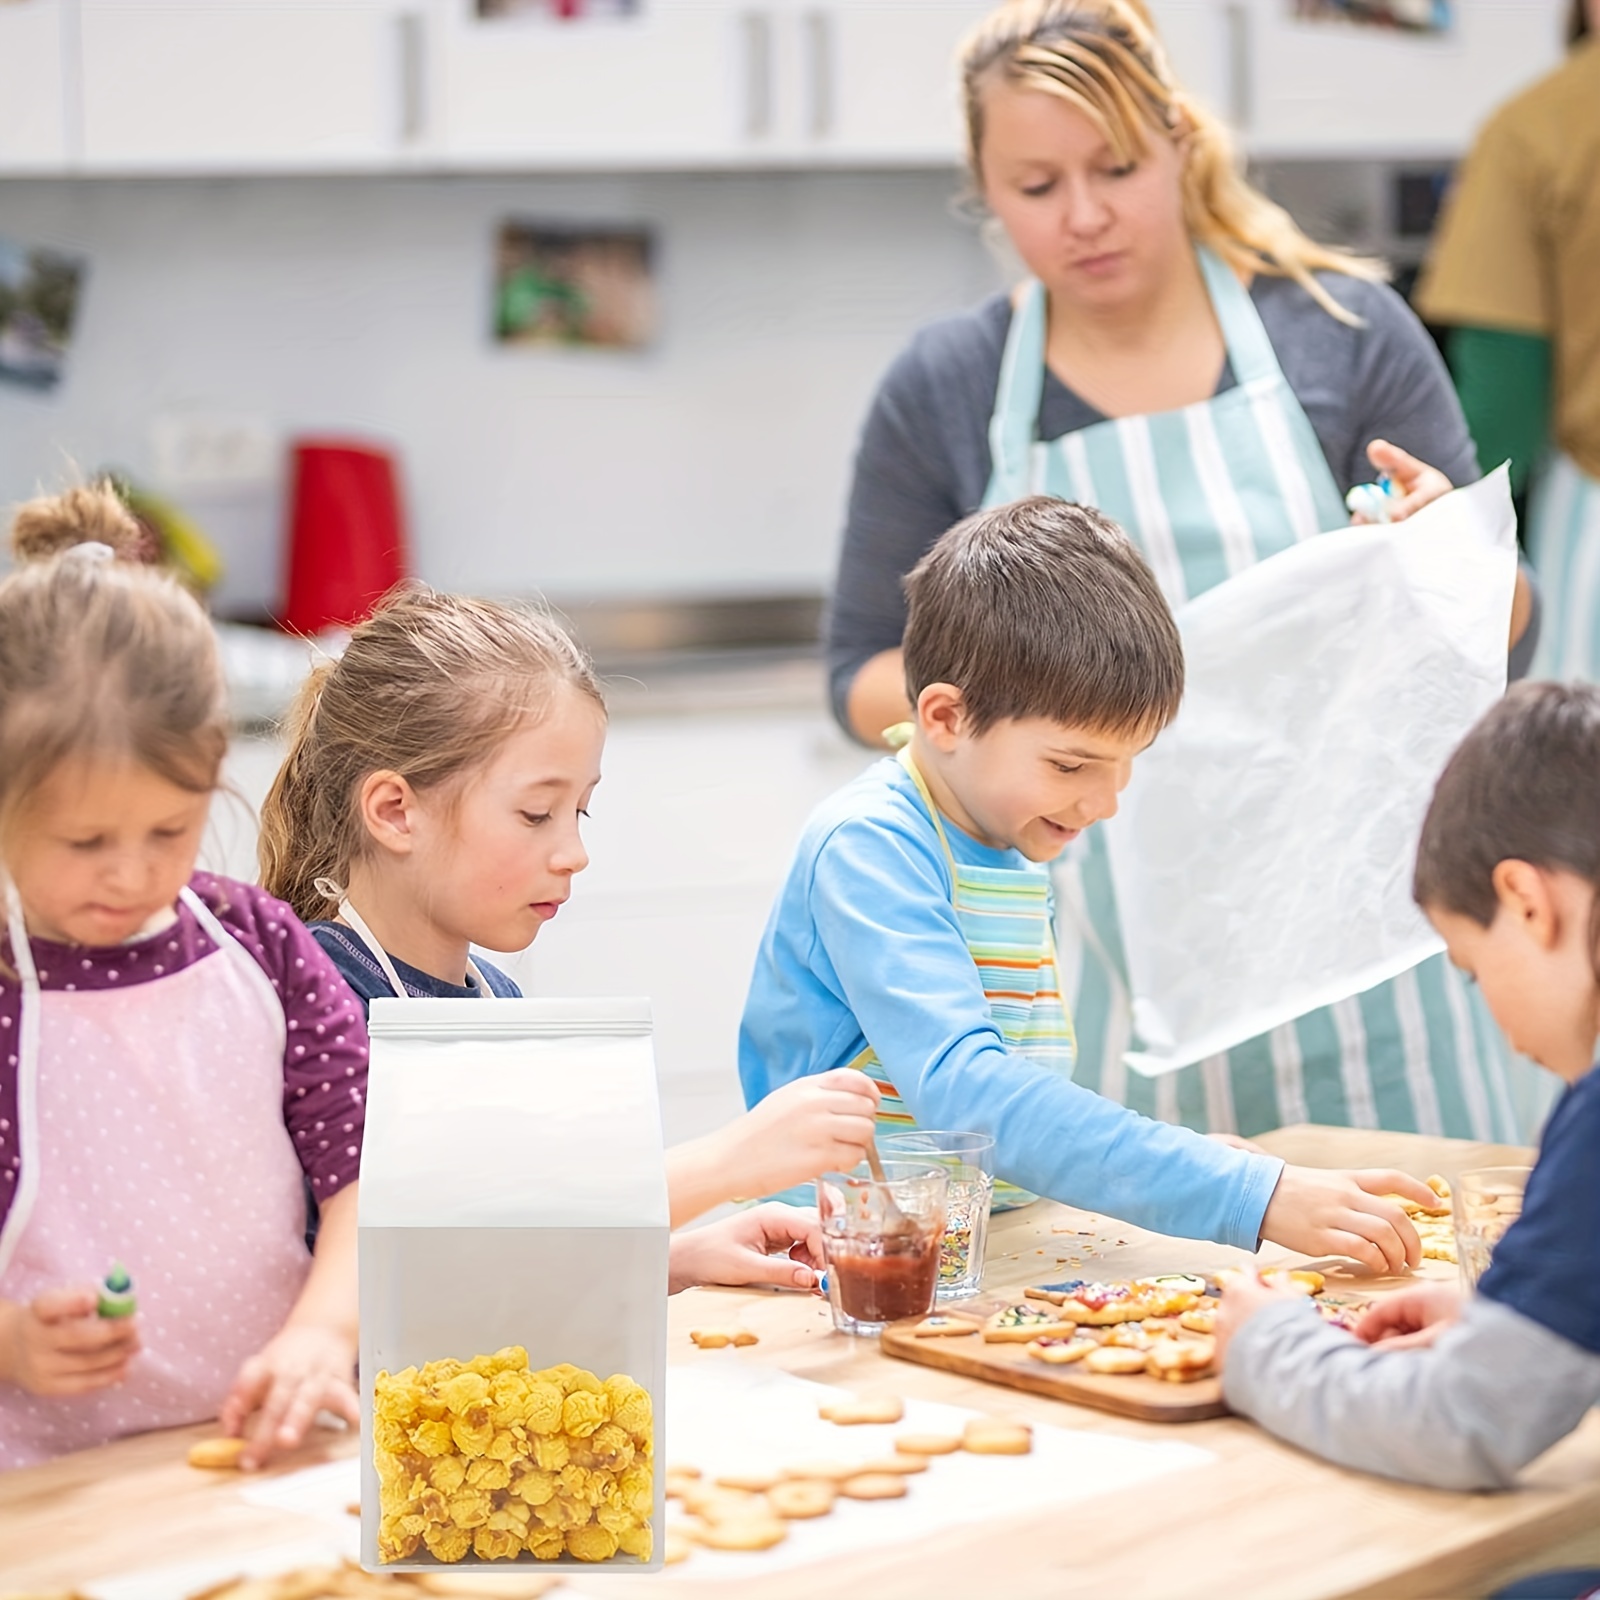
(1205, 492)
(1004, 915)
(1564, 547)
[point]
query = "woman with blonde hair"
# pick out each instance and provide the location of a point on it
(1186, 359)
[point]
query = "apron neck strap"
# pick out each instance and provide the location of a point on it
(358, 925)
(1250, 351)
(21, 949)
(905, 760)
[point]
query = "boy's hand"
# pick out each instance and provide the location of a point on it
(1410, 1318)
(56, 1345)
(1243, 1295)
(739, 1250)
(1325, 1213)
(306, 1368)
(813, 1125)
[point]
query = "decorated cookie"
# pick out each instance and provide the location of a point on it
(1060, 1352)
(1055, 1293)
(1016, 1324)
(939, 1326)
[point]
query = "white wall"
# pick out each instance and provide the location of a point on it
(718, 461)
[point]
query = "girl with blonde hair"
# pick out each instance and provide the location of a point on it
(432, 800)
(162, 1102)
(1184, 358)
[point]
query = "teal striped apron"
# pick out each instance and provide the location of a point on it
(1004, 914)
(1205, 492)
(1564, 547)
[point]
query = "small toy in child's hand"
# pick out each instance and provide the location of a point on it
(1372, 501)
(116, 1293)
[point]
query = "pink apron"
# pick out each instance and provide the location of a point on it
(152, 1133)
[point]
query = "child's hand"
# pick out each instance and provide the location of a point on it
(1324, 1213)
(306, 1368)
(1409, 1318)
(1418, 483)
(740, 1250)
(57, 1345)
(813, 1125)
(1242, 1297)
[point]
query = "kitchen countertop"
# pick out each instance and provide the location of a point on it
(1261, 1521)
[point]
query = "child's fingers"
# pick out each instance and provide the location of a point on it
(246, 1395)
(1386, 1251)
(86, 1380)
(1385, 1181)
(91, 1336)
(63, 1305)
(261, 1436)
(1398, 1225)
(305, 1401)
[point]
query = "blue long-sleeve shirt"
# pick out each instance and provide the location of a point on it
(863, 946)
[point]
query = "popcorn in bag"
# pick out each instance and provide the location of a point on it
(513, 1250)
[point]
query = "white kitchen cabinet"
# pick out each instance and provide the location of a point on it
(1332, 89)
(37, 122)
(876, 81)
(683, 82)
(252, 85)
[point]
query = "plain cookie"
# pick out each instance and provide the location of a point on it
(1115, 1358)
(216, 1454)
(874, 1486)
(863, 1409)
(927, 1444)
(995, 1438)
(752, 1532)
(799, 1498)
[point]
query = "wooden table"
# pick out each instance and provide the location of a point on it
(1263, 1521)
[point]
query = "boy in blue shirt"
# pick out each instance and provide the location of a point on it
(912, 937)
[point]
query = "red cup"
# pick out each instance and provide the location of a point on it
(347, 541)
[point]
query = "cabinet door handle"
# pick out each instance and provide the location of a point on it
(1241, 83)
(755, 28)
(412, 32)
(819, 71)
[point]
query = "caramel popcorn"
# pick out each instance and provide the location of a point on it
(485, 1458)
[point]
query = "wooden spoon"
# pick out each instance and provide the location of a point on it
(895, 1221)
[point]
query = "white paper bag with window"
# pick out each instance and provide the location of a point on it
(1262, 854)
(513, 1202)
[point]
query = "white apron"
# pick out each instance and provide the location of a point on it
(1564, 547)
(152, 1133)
(1205, 492)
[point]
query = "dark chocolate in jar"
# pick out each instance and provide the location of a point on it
(882, 1280)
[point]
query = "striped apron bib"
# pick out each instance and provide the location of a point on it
(1564, 547)
(1205, 492)
(1004, 914)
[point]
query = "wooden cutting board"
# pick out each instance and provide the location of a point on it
(1148, 1399)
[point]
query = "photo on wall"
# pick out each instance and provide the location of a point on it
(1413, 16)
(563, 10)
(39, 293)
(574, 286)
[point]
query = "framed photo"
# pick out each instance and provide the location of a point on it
(1414, 16)
(39, 292)
(574, 286)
